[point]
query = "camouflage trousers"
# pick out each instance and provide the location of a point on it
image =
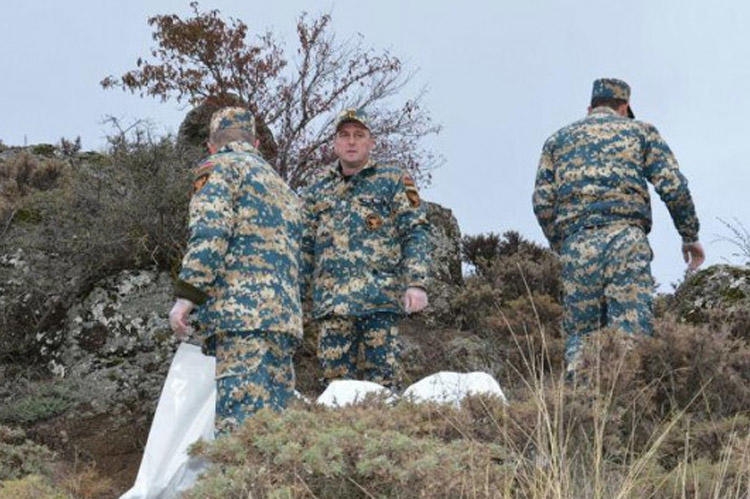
(254, 370)
(606, 276)
(343, 340)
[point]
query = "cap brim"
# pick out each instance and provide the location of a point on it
(630, 112)
(351, 120)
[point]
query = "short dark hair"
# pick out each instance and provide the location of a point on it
(608, 102)
(224, 136)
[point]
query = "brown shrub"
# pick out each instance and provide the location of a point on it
(513, 265)
(703, 371)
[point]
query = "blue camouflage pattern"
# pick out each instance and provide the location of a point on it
(254, 370)
(592, 202)
(232, 117)
(610, 88)
(595, 171)
(365, 241)
(374, 338)
(242, 261)
(612, 288)
(241, 268)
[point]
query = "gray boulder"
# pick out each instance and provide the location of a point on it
(718, 295)
(445, 237)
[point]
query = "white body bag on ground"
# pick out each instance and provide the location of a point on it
(450, 387)
(184, 414)
(342, 392)
(443, 387)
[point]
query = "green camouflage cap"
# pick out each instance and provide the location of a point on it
(232, 117)
(352, 115)
(612, 88)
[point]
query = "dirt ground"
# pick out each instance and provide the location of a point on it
(97, 457)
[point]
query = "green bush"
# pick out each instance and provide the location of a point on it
(30, 487)
(37, 402)
(48, 150)
(372, 451)
(20, 457)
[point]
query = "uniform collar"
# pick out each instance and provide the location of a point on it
(335, 169)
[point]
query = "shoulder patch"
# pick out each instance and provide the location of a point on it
(201, 174)
(411, 190)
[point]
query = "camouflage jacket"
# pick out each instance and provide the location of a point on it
(365, 240)
(593, 172)
(242, 259)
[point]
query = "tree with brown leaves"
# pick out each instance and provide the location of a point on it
(208, 61)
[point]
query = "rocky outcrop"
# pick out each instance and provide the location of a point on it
(718, 295)
(445, 238)
(117, 339)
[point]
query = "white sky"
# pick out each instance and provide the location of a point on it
(502, 76)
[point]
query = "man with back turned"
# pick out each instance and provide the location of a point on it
(592, 202)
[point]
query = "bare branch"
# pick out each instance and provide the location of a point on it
(205, 58)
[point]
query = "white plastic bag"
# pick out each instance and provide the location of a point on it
(451, 387)
(185, 413)
(343, 392)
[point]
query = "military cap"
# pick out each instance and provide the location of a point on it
(612, 88)
(232, 117)
(353, 115)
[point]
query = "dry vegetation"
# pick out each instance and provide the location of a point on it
(667, 416)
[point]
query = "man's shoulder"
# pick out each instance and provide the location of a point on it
(595, 125)
(389, 170)
(564, 131)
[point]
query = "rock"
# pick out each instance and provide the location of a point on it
(445, 270)
(718, 295)
(116, 340)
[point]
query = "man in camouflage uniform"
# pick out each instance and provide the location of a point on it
(241, 271)
(365, 256)
(592, 202)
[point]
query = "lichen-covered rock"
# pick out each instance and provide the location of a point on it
(445, 270)
(718, 295)
(116, 340)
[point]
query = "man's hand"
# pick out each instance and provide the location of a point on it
(178, 317)
(415, 300)
(693, 255)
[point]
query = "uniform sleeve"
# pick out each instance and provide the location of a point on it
(211, 227)
(413, 234)
(545, 197)
(662, 170)
(307, 248)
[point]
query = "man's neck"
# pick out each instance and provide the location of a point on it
(351, 170)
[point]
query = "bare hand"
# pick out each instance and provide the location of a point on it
(178, 317)
(415, 300)
(693, 255)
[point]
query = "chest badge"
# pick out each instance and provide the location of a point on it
(373, 221)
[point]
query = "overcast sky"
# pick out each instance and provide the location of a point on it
(502, 76)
